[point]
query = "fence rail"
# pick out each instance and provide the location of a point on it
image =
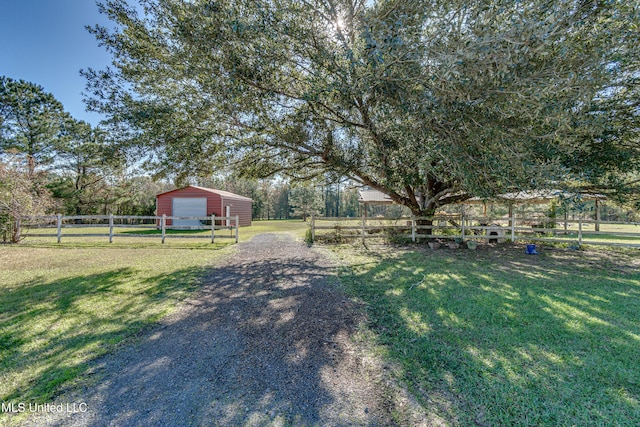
(212, 223)
(490, 229)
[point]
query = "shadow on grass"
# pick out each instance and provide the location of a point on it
(251, 350)
(496, 337)
(49, 330)
(262, 342)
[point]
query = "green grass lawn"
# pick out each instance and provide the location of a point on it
(296, 227)
(62, 305)
(486, 337)
(496, 337)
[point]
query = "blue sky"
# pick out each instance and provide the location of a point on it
(45, 42)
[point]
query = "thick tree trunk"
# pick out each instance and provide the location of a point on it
(17, 231)
(422, 221)
(31, 166)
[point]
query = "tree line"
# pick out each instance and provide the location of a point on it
(53, 163)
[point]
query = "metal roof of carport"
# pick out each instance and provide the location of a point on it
(533, 196)
(374, 197)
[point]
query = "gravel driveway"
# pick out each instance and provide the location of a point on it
(266, 341)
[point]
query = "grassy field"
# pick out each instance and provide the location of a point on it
(62, 305)
(496, 337)
(486, 337)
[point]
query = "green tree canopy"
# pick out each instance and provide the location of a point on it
(429, 101)
(19, 197)
(85, 161)
(305, 200)
(30, 122)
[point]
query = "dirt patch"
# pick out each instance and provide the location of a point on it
(267, 341)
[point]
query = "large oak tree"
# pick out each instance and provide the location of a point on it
(428, 101)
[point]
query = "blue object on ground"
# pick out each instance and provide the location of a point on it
(531, 250)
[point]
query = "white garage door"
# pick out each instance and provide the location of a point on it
(189, 206)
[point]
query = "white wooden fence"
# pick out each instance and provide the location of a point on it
(459, 227)
(215, 224)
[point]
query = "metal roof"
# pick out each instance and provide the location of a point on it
(374, 197)
(225, 194)
(535, 196)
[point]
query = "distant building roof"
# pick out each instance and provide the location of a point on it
(223, 193)
(535, 196)
(376, 197)
(373, 197)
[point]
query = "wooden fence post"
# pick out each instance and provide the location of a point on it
(213, 227)
(163, 225)
(462, 224)
(580, 230)
(237, 225)
(313, 227)
(363, 228)
(59, 227)
(413, 228)
(110, 228)
(513, 226)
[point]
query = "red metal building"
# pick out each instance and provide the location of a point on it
(199, 201)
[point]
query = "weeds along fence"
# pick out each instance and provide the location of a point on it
(117, 226)
(459, 228)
